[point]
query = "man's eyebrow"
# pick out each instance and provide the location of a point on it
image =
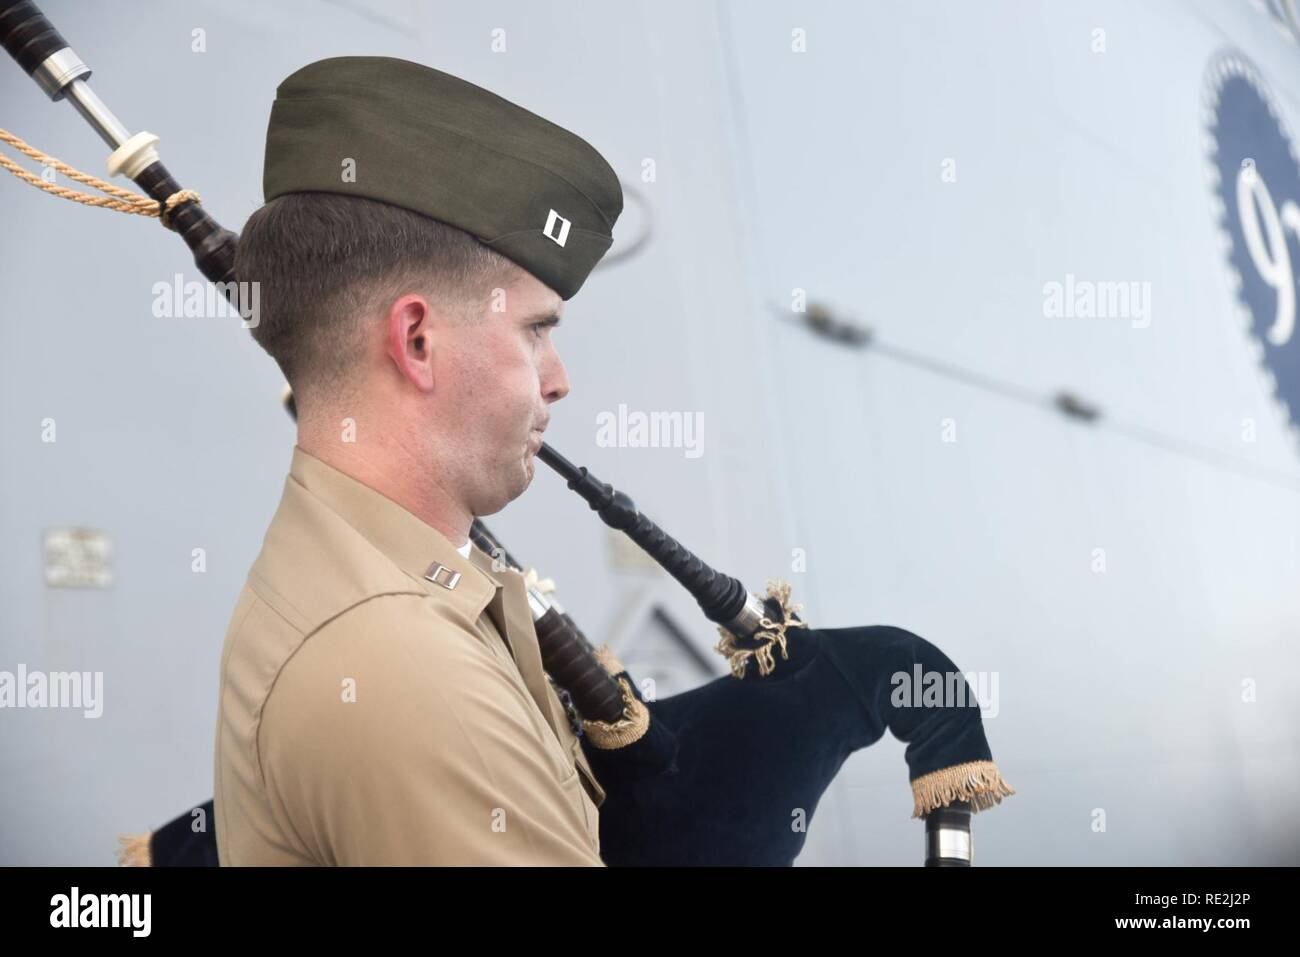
(546, 317)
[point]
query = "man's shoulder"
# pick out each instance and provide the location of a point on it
(289, 650)
(359, 685)
(313, 569)
(393, 642)
(393, 638)
(314, 566)
(350, 687)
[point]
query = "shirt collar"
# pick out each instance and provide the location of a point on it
(409, 542)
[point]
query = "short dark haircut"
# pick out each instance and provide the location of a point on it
(328, 265)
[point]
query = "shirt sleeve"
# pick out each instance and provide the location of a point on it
(393, 736)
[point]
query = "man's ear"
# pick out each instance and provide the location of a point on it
(409, 329)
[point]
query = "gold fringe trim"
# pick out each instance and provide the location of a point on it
(627, 729)
(979, 782)
(134, 850)
(771, 633)
(609, 661)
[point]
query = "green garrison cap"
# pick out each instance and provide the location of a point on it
(431, 142)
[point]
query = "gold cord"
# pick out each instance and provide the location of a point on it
(122, 200)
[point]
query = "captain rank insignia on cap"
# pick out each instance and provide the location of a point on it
(554, 220)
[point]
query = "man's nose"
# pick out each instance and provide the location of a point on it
(555, 384)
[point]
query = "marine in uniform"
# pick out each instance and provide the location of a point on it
(382, 698)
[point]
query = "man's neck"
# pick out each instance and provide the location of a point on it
(395, 474)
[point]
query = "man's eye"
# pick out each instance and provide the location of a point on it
(540, 325)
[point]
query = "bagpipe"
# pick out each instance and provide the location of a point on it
(726, 773)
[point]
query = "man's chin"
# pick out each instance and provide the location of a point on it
(520, 479)
(525, 478)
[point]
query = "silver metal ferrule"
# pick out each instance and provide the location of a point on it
(949, 843)
(58, 70)
(750, 618)
(99, 116)
(537, 604)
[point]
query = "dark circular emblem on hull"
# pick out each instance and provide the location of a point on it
(1255, 176)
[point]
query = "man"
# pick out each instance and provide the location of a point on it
(382, 695)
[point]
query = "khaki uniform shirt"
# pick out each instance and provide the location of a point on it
(369, 714)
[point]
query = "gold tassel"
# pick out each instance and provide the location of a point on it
(134, 850)
(771, 633)
(979, 782)
(609, 736)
